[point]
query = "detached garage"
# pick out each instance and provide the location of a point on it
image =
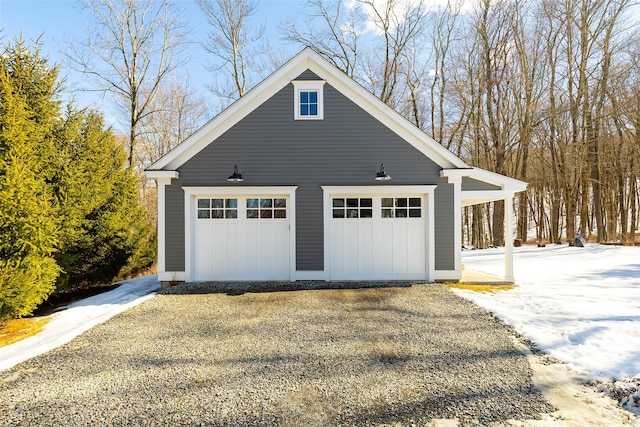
(311, 177)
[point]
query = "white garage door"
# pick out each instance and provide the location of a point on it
(241, 238)
(377, 237)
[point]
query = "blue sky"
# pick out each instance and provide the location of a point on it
(59, 20)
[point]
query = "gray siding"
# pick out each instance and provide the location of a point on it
(470, 184)
(174, 220)
(443, 227)
(270, 148)
(308, 75)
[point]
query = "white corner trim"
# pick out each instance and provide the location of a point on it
(431, 237)
(162, 174)
(457, 223)
(326, 227)
(308, 85)
(162, 182)
(454, 176)
(456, 172)
(508, 238)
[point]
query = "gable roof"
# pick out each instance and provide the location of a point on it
(307, 59)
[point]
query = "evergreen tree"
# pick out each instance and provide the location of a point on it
(29, 229)
(104, 225)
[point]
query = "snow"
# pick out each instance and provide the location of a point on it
(79, 317)
(579, 305)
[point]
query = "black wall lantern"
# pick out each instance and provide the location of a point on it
(382, 175)
(236, 177)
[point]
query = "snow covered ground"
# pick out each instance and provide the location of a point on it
(79, 317)
(579, 305)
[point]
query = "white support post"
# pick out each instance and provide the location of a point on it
(457, 221)
(162, 178)
(508, 238)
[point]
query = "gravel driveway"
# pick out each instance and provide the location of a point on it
(399, 356)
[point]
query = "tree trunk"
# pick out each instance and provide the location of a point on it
(570, 209)
(477, 227)
(523, 220)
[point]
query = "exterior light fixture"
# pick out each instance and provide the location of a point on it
(236, 177)
(382, 175)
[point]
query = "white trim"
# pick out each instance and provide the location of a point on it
(457, 223)
(453, 174)
(308, 85)
(161, 183)
(230, 190)
(309, 275)
(474, 197)
(502, 181)
(161, 174)
(190, 194)
(169, 276)
(431, 237)
(506, 183)
(508, 238)
(445, 275)
(326, 224)
(381, 190)
(308, 59)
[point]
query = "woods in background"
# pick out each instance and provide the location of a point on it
(545, 91)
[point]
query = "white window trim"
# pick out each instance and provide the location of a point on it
(192, 193)
(308, 85)
(383, 190)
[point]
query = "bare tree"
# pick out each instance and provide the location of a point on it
(131, 47)
(494, 25)
(526, 84)
(236, 46)
(397, 25)
(179, 113)
(443, 34)
(332, 28)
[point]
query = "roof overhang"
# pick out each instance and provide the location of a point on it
(508, 186)
(161, 174)
(504, 182)
(470, 198)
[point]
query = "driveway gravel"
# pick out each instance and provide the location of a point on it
(374, 356)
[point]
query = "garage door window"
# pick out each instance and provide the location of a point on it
(352, 208)
(217, 208)
(267, 208)
(401, 207)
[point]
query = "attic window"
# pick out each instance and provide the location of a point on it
(308, 99)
